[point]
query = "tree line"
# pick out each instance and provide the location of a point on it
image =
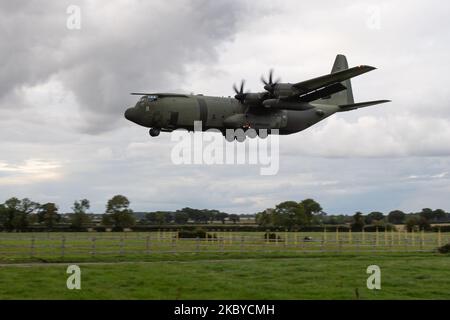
(16, 214)
(308, 212)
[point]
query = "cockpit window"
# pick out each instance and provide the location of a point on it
(149, 98)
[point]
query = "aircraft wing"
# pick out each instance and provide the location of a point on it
(317, 94)
(329, 79)
(348, 107)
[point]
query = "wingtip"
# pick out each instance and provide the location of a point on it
(369, 68)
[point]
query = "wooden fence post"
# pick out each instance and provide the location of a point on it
(93, 246)
(122, 252)
(392, 237)
(197, 244)
(439, 237)
(63, 245)
(324, 234)
(350, 238)
(422, 236)
(406, 240)
(147, 244)
(286, 238)
(376, 237)
(32, 246)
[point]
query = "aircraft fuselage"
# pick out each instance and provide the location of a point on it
(169, 113)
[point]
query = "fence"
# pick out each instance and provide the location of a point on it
(163, 242)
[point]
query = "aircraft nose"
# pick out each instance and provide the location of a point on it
(129, 114)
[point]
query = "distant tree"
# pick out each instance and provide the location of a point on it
(427, 213)
(193, 214)
(181, 217)
(396, 217)
(439, 214)
(15, 213)
(157, 217)
(290, 213)
(311, 207)
(48, 214)
(234, 217)
(79, 216)
(221, 216)
(374, 217)
(264, 218)
(417, 223)
(3, 216)
(358, 222)
(337, 219)
(207, 215)
(120, 216)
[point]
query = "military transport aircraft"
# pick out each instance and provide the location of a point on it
(288, 107)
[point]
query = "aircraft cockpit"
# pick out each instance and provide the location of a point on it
(148, 99)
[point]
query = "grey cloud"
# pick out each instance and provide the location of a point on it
(120, 48)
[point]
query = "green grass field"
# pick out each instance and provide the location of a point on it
(227, 268)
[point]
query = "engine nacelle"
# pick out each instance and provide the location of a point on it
(235, 121)
(253, 99)
(288, 105)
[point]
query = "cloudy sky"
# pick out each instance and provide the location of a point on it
(63, 93)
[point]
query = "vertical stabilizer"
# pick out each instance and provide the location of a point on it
(344, 97)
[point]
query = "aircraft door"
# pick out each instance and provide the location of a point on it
(173, 121)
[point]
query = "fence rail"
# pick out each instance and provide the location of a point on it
(121, 244)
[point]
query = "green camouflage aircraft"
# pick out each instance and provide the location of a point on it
(287, 107)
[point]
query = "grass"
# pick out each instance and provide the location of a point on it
(311, 276)
(235, 266)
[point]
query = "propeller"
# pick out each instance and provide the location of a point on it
(240, 95)
(270, 85)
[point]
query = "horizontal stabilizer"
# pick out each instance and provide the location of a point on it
(353, 106)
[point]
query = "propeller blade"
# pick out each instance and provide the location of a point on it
(264, 81)
(240, 95)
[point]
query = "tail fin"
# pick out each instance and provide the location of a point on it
(344, 97)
